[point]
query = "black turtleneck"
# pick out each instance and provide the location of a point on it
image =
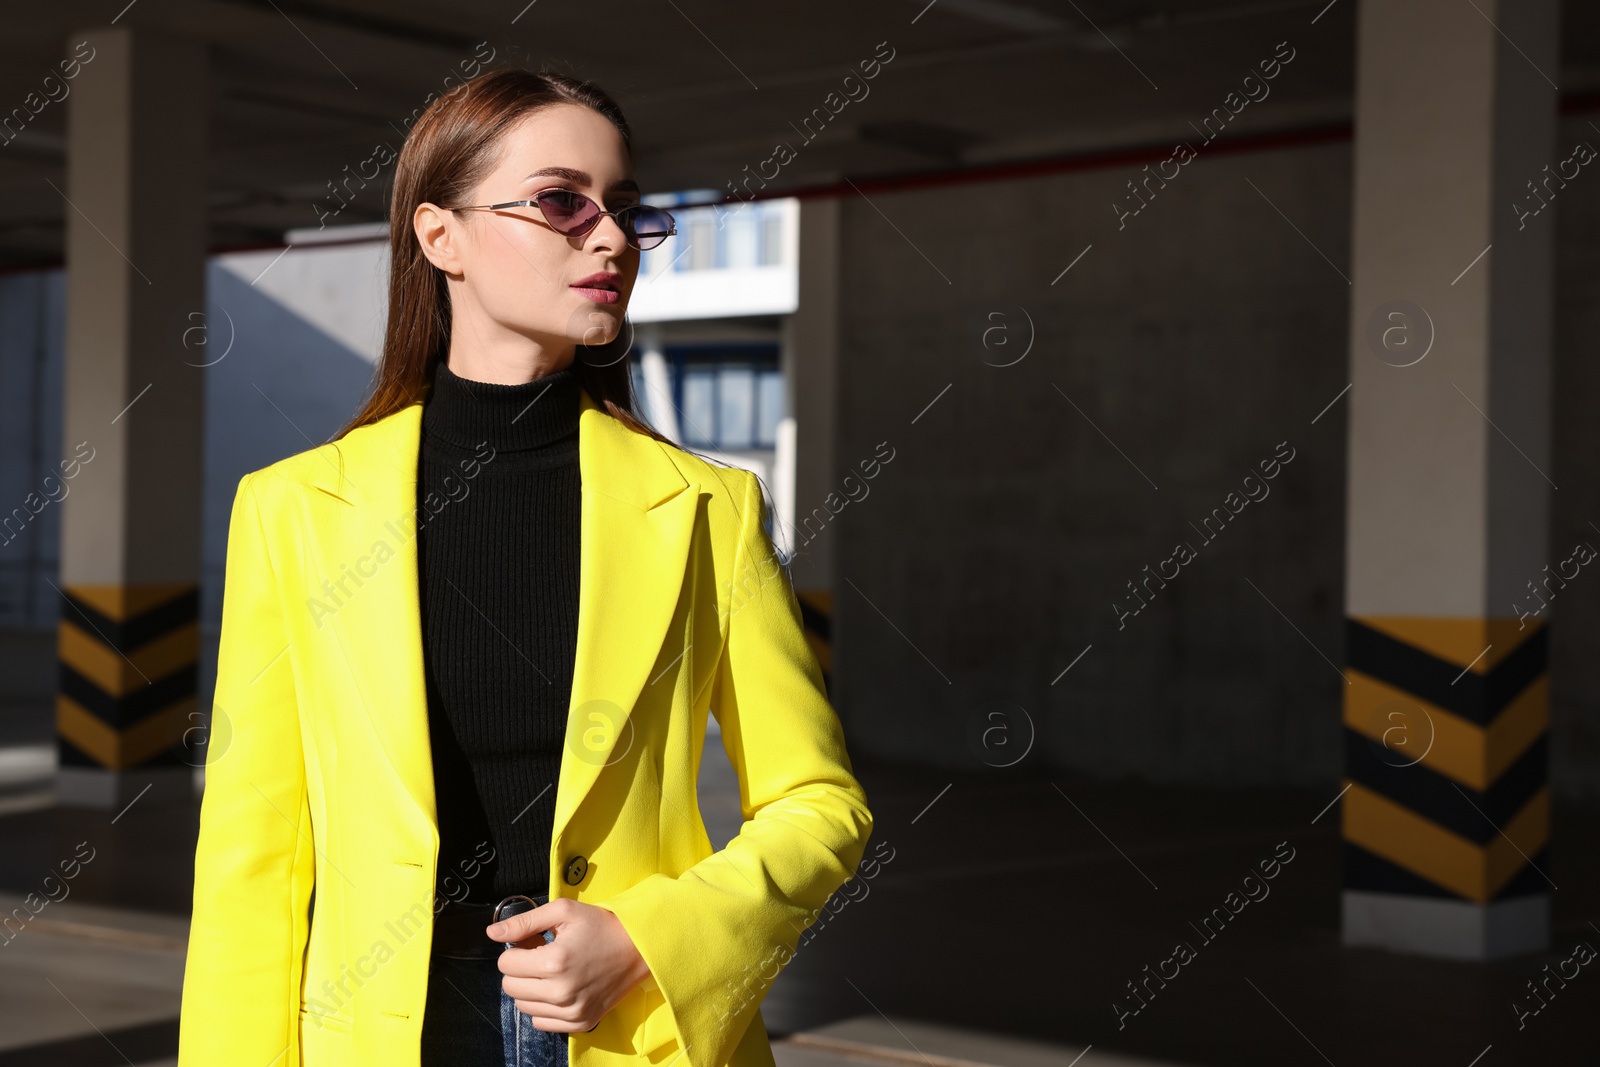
(499, 499)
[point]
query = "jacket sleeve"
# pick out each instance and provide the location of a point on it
(715, 936)
(254, 862)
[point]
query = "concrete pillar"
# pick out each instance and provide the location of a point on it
(128, 644)
(658, 402)
(810, 359)
(784, 457)
(1446, 817)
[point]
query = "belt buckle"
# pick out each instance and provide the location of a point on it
(515, 904)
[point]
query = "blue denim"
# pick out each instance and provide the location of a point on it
(460, 1021)
(526, 1045)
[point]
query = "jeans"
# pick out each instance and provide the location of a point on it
(470, 1021)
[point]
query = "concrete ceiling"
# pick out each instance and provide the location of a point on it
(303, 88)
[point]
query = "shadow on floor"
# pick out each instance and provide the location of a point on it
(1024, 906)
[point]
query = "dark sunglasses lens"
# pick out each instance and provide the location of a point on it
(649, 226)
(571, 214)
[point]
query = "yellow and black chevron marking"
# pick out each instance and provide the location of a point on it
(816, 612)
(128, 656)
(1446, 757)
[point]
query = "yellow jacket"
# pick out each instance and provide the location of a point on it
(319, 770)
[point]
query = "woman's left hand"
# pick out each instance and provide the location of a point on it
(567, 984)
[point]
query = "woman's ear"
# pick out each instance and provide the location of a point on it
(438, 236)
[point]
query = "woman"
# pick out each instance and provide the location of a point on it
(468, 650)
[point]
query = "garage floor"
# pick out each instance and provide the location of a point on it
(1008, 913)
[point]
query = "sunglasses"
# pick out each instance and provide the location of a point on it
(571, 214)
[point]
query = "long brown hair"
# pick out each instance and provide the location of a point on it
(449, 150)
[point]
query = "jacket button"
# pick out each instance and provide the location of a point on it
(577, 867)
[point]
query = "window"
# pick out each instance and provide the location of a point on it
(726, 237)
(771, 240)
(702, 241)
(699, 408)
(736, 404)
(729, 396)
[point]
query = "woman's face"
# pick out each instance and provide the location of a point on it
(510, 275)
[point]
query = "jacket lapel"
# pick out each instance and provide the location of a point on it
(638, 521)
(638, 517)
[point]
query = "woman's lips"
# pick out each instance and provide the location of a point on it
(599, 296)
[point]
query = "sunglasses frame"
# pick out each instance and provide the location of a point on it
(633, 241)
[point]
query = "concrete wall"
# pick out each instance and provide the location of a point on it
(292, 353)
(1574, 668)
(32, 317)
(1198, 336)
